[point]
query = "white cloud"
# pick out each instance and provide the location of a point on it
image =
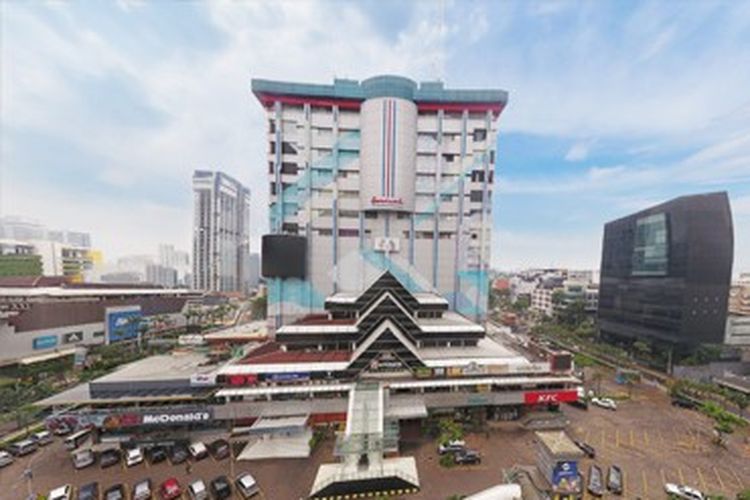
(578, 151)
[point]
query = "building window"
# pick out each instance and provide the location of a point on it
(344, 232)
(650, 246)
(290, 228)
(273, 189)
(446, 197)
(492, 156)
(371, 215)
(449, 158)
(98, 334)
(477, 176)
(324, 232)
(289, 168)
(271, 126)
(270, 167)
(476, 196)
(348, 214)
(287, 149)
(480, 134)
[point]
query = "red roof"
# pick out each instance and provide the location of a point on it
(271, 353)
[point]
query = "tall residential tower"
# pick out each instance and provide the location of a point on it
(220, 232)
(383, 174)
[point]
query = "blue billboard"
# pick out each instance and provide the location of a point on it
(45, 342)
(123, 323)
(565, 477)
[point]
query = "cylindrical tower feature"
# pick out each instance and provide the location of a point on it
(388, 148)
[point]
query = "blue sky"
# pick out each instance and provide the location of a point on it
(107, 107)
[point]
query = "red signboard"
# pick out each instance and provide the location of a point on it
(550, 397)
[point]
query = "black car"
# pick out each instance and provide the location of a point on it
(89, 491)
(179, 454)
(108, 458)
(467, 457)
(219, 449)
(586, 448)
(683, 402)
(157, 454)
(221, 488)
(116, 492)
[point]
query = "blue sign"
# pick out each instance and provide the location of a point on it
(123, 325)
(288, 377)
(565, 477)
(46, 342)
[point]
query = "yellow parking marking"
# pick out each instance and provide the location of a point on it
(645, 483)
(603, 437)
(632, 441)
(736, 477)
(646, 438)
(661, 436)
(617, 438)
(663, 476)
(682, 478)
(702, 480)
(586, 436)
(718, 477)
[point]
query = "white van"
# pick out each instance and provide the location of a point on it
(83, 458)
(24, 447)
(247, 486)
(5, 458)
(197, 490)
(42, 438)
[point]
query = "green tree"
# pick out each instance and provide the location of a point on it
(259, 307)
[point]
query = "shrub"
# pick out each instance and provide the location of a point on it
(447, 460)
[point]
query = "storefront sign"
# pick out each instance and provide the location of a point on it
(202, 379)
(72, 337)
(288, 377)
(242, 379)
(46, 342)
(474, 369)
(539, 367)
(176, 418)
(113, 420)
(550, 397)
(122, 323)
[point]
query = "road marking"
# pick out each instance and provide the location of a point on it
(617, 438)
(718, 476)
(603, 438)
(736, 477)
(661, 436)
(702, 480)
(632, 442)
(682, 478)
(663, 476)
(645, 483)
(646, 438)
(586, 436)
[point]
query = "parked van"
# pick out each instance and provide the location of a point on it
(24, 447)
(42, 438)
(75, 440)
(83, 458)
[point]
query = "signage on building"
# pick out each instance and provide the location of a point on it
(565, 477)
(384, 201)
(242, 379)
(288, 377)
(45, 342)
(72, 338)
(187, 417)
(122, 323)
(113, 420)
(550, 397)
(202, 379)
(387, 245)
(538, 367)
(474, 369)
(191, 340)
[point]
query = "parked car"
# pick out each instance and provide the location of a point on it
(170, 489)
(683, 491)
(142, 490)
(586, 448)
(108, 458)
(61, 493)
(83, 459)
(89, 491)
(24, 447)
(605, 403)
(115, 492)
(42, 438)
(684, 402)
(178, 454)
(221, 488)
(467, 457)
(220, 449)
(133, 456)
(595, 485)
(247, 486)
(197, 490)
(451, 446)
(614, 480)
(5, 458)
(157, 454)
(198, 450)
(62, 430)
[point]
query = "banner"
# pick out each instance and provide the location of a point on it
(550, 397)
(122, 323)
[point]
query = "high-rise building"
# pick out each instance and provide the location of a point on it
(176, 259)
(253, 270)
(666, 272)
(220, 232)
(161, 275)
(383, 174)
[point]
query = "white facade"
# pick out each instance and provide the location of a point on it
(382, 181)
(60, 259)
(541, 300)
(220, 233)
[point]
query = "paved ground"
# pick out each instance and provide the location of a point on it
(652, 441)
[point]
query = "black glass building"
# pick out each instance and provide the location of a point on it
(666, 271)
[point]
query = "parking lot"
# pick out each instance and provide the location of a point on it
(652, 441)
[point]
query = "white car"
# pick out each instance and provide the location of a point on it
(451, 446)
(198, 450)
(61, 493)
(5, 458)
(604, 403)
(197, 490)
(247, 486)
(682, 491)
(133, 456)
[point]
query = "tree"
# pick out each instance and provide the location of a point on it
(259, 307)
(597, 378)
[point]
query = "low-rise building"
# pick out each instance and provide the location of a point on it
(18, 258)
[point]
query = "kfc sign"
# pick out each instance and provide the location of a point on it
(550, 397)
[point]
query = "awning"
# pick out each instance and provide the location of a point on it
(406, 408)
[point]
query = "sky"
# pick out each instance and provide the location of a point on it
(108, 107)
